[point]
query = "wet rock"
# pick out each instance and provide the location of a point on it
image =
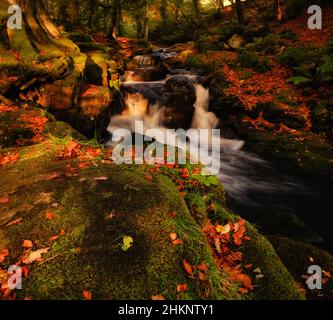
(180, 98)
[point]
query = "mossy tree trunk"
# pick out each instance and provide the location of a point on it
(35, 53)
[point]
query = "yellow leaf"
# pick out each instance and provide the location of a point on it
(127, 243)
(223, 229)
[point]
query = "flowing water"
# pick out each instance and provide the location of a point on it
(252, 184)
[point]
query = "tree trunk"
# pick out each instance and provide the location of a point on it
(92, 14)
(240, 12)
(146, 20)
(197, 10)
(164, 13)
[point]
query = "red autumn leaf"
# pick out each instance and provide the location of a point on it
(3, 254)
(203, 267)
(87, 295)
(9, 158)
(182, 288)
(173, 214)
(49, 215)
(188, 268)
(62, 232)
(177, 242)
(4, 200)
(149, 177)
(94, 152)
(25, 271)
(27, 244)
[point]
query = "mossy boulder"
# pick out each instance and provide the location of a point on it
(298, 256)
(97, 208)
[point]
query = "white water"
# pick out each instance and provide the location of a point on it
(241, 173)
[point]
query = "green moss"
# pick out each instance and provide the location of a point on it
(277, 283)
(298, 256)
(142, 210)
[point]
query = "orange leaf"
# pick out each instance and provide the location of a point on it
(202, 276)
(54, 238)
(27, 244)
(177, 242)
(158, 297)
(14, 222)
(62, 232)
(188, 268)
(182, 288)
(87, 295)
(3, 254)
(4, 200)
(49, 215)
(173, 236)
(203, 267)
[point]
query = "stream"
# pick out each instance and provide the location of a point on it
(255, 188)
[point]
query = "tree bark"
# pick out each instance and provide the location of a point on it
(240, 12)
(146, 20)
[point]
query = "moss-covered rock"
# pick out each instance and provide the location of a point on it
(96, 214)
(298, 256)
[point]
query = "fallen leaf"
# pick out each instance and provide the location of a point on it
(101, 178)
(25, 271)
(54, 238)
(173, 236)
(49, 215)
(35, 255)
(182, 288)
(87, 295)
(177, 242)
(127, 243)
(203, 267)
(27, 244)
(188, 268)
(14, 222)
(94, 152)
(3, 254)
(4, 200)
(156, 298)
(202, 276)
(223, 229)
